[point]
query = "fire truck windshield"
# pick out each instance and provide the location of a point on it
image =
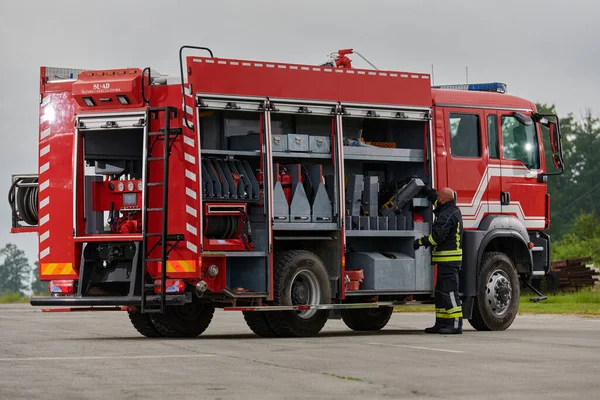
(520, 142)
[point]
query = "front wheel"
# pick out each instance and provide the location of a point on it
(300, 278)
(367, 319)
(498, 293)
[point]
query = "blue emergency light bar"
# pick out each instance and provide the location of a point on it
(477, 87)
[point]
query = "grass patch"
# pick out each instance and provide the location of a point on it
(14, 297)
(415, 309)
(347, 378)
(584, 302)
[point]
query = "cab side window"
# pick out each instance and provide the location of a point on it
(465, 139)
(519, 142)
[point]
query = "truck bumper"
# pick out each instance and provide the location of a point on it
(171, 300)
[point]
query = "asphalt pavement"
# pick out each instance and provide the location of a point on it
(99, 355)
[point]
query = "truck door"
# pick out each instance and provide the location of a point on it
(467, 162)
(494, 179)
(521, 194)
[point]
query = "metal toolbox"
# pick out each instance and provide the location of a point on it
(319, 144)
(297, 142)
(251, 142)
(279, 142)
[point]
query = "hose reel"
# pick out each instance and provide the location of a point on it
(23, 199)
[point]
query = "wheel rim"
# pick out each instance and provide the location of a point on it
(498, 293)
(304, 290)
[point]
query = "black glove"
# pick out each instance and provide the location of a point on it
(422, 241)
(417, 243)
(430, 194)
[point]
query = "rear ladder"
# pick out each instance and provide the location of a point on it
(166, 242)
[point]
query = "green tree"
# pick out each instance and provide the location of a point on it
(14, 269)
(37, 286)
(572, 192)
(584, 241)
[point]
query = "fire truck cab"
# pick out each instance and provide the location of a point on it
(290, 192)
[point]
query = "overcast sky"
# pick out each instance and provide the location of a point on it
(546, 51)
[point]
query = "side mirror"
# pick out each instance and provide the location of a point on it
(522, 118)
(554, 137)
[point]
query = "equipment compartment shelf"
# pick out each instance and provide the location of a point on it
(404, 233)
(230, 152)
(293, 154)
(234, 254)
(382, 154)
(245, 254)
(304, 226)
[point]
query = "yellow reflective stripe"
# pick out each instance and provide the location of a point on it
(458, 236)
(433, 242)
(446, 258)
(448, 253)
(449, 311)
(449, 316)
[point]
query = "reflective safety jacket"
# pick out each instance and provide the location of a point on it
(447, 233)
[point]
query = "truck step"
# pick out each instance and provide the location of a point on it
(172, 237)
(152, 310)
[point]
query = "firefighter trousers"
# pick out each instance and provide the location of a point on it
(448, 307)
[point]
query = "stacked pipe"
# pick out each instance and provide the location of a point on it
(575, 274)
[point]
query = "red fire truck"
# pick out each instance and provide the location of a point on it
(290, 192)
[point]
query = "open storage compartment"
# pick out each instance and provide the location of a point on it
(234, 211)
(386, 166)
(306, 180)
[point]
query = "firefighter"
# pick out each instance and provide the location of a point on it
(446, 243)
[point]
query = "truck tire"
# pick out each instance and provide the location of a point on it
(367, 319)
(498, 293)
(258, 323)
(143, 324)
(299, 278)
(189, 320)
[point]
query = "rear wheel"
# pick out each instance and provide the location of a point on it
(188, 320)
(300, 278)
(367, 319)
(143, 324)
(258, 323)
(498, 293)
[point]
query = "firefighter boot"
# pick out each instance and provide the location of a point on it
(448, 330)
(455, 329)
(434, 329)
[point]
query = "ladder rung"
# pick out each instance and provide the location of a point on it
(150, 184)
(153, 234)
(153, 259)
(154, 209)
(156, 159)
(156, 134)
